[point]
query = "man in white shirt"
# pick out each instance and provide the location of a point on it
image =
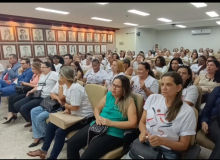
(57, 64)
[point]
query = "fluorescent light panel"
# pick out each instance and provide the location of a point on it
(164, 19)
(138, 12)
(218, 22)
(102, 3)
(131, 24)
(101, 19)
(181, 26)
(199, 5)
(212, 14)
(51, 10)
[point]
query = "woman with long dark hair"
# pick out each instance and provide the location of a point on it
(167, 123)
(203, 69)
(144, 83)
(174, 64)
(194, 57)
(79, 71)
(190, 91)
(160, 64)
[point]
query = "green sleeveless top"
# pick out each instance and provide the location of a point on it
(112, 112)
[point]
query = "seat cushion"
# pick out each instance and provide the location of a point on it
(71, 134)
(203, 141)
(117, 153)
(48, 120)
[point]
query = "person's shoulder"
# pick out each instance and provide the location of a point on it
(186, 109)
(54, 73)
(134, 77)
(192, 88)
(103, 71)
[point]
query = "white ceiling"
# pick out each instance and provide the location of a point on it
(180, 13)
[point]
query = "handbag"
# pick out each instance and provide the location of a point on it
(97, 130)
(23, 89)
(37, 93)
(144, 151)
(50, 104)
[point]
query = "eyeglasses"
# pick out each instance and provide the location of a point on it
(116, 86)
(44, 67)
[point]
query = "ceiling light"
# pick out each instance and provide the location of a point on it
(101, 19)
(198, 5)
(212, 14)
(218, 22)
(102, 3)
(138, 12)
(51, 10)
(164, 19)
(131, 24)
(181, 26)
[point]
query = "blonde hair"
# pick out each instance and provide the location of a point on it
(120, 66)
(69, 73)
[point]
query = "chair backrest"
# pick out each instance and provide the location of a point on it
(198, 102)
(129, 77)
(139, 102)
(80, 82)
(159, 75)
(95, 93)
(193, 138)
(167, 61)
(159, 82)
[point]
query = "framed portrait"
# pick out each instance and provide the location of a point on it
(81, 36)
(39, 50)
(23, 34)
(82, 49)
(7, 34)
(51, 49)
(89, 37)
(72, 36)
(25, 50)
(110, 38)
(103, 48)
(62, 49)
(7, 49)
(89, 49)
(73, 49)
(50, 35)
(37, 34)
(103, 37)
(61, 36)
(97, 49)
(97, 37)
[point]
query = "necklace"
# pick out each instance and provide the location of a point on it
(207, 77)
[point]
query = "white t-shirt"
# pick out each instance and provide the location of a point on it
(95, 78)
(102, 66)
(77, 96)
(108, 68)
(163, 69)
(104, 61)
(183, 125)
(190, 94)
(150, 83)
(110, 78)
(86, 67)
(184, 58)
(170, 57)
(203, 72)
(57, 67)
(135, 65)
(49, 84)
(55, 89)
(121, 58)
(195, 68)
(83, 62)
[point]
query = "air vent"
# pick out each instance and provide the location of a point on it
(121, 43)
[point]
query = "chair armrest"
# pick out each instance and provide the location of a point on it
(129, 136)
(192, 152)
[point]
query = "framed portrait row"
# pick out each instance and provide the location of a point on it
(27, 34)
(42, 50)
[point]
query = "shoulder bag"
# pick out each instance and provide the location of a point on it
(37, 93)
(50, 104)
(23, 89)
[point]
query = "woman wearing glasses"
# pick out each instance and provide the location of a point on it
(144, 83)
(45, 84)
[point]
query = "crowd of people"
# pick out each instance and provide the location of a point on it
(167, 81)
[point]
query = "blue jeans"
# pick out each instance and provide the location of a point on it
(7, 89)
(39, 117)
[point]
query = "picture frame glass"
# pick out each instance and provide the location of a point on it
(7, 33)
(73, 49)
(61, 36)
(89, 49)
(103, 49)
(62, 49)
(89, 37)
(8, 49)
(82, 49)
(23, 34)
(103, 38)
(39, 50)
(37, 34)
(50, 35)
(97, 49)
(51, 49)
(72, 36)
(96, 37)
(25, 50)
(81, 37)
(110, 38)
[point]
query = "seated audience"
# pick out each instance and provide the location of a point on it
(176, 55)
(194, 57)
(183, 56)
(203, 70)
(122, 55)
(196, 67)
(77, 104)
(99, 57)
(140, 58)
(168, 55)
(149, 54)
(57, 62)
(11, 71)
(206, 53)
(117, 111)
(68, 58)
(200, 52)
(109, 63)
(78, 69)
(117, 69)
(174, 64)
(188, 53)
(160, 64)
(115, 56)
(177, 116)
(82, 58)
(24, 75)
(153, 68)
(133, 54)
(211, 52)
(12, 113)
(144, 83)
(210, 80)
(37, 60)
(45, 84)
(127, 67)
(88, 65)
(95, 75)
(210, 121)
(190, 92)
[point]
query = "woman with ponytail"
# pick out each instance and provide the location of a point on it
(144, 83)
(76, 102)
